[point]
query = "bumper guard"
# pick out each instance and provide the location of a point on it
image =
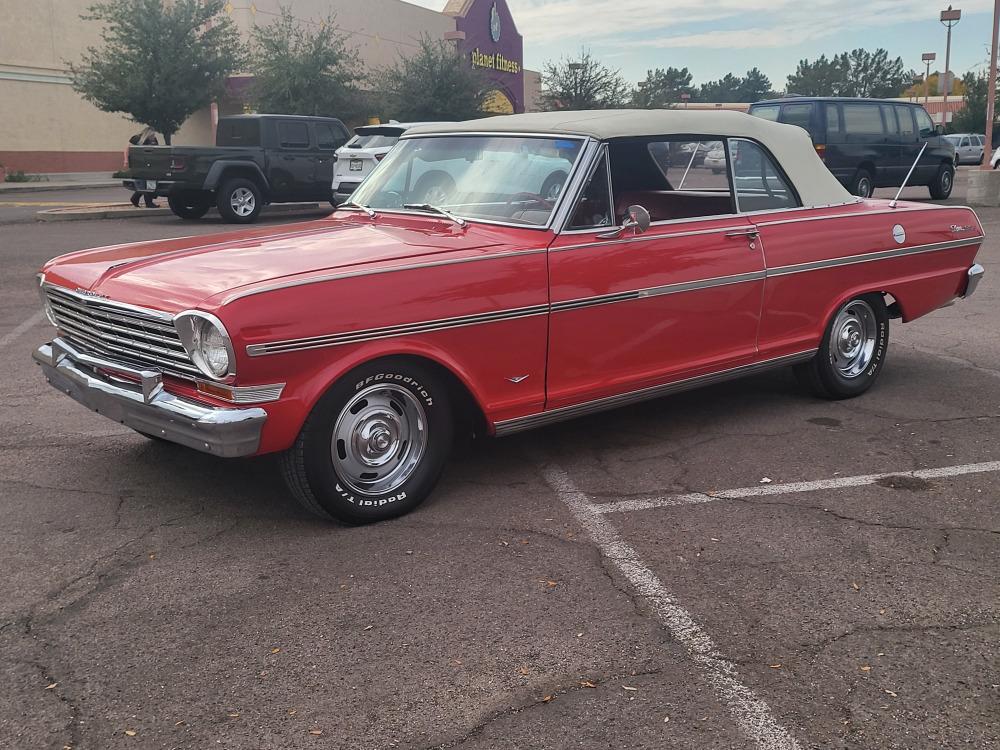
(145, 406)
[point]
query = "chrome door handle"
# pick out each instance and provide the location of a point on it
(751, 233)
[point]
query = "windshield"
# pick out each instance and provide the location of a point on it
(510, 179)
(363, 140)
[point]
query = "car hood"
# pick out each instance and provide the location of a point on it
(173, 275)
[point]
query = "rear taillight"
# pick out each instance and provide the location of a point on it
(379, 157)
(821, 150)
(177, 164)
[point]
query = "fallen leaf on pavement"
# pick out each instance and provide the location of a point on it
(369, 627)
(548, 583)
(316, 732)
(180, 723)
(525, 671)
(774, 666)
(855, 586)
(666, 719)
(50, 687)
(865, 668)
(587, 684)
(548, 698)
(766, 480)
(275, 650)
(130, 732)
(892, 693)
(234, 715)
(292, 712)
(630, 688)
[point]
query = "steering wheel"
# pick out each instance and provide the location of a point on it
(530, 198)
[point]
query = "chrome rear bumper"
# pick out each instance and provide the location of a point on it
(145, 406)
(975, 276)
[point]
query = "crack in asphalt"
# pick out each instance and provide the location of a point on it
(825, 643)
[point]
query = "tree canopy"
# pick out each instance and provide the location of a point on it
(159, 62)
(972, 117)
(662, 88)
(435, 83)
(304, 68)
(582, 82)
(855, 73)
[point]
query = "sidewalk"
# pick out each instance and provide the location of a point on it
(63, 181)
(128, 211)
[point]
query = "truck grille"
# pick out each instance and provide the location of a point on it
(123, 334)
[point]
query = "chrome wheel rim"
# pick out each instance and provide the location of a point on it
(946, 182)
(553, 192)
(864, 188)
(378, 439)
(853, 338)
(242, 201)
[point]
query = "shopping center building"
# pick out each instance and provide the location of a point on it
(47, 127)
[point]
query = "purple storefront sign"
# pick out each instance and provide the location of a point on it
(493, 46)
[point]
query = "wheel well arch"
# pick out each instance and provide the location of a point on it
(867, 166)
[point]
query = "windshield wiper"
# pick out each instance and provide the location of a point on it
(438, 210)
(367, 209)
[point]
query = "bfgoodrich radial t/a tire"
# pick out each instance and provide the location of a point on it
(853, 350)
(375, 444)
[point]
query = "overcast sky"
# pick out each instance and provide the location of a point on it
(715, 37)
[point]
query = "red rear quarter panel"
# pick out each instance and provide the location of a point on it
(798, 302)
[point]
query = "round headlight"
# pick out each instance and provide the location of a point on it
(207, 343)
(210, 351)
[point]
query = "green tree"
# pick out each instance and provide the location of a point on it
(436, 83)
(582, 82)
(856, 73)
(662, 88)
(159, 62)
(754, 86)
(972, 117)
(304, 69)
(726, 89)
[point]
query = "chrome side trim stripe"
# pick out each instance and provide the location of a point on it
(511, 426)
(657, 291)
(406, 329)
(869, 257)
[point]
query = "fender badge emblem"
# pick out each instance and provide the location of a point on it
(956, 228)
(518, 378)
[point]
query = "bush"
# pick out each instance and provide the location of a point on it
(121, 173)
(20, 176)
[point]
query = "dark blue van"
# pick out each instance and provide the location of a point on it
(870, 143)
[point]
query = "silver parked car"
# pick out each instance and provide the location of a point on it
(968, 147)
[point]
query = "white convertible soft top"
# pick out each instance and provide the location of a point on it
(791, 145)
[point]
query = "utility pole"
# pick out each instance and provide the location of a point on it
(949, 18)
(928, 58)
(992, 91)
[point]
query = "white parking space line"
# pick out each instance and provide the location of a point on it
(22, 328)
(836, 483)
(752, 714)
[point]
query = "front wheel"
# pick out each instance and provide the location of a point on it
(863, 184)
(943, 182)
(852, 352)
(374, 445)
(239, 201)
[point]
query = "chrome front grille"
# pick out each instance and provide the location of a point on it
(121, 332)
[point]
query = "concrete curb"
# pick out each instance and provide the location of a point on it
(127, 211)
(42, 187)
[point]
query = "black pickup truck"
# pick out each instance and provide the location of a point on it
(257, 159)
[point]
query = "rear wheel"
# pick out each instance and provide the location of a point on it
(863, 184)
(434, 188)
(239, 201)
(374, 445)
(189, 205)
(943, 182)
(852, 352)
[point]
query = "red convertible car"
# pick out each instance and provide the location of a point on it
(360, 345)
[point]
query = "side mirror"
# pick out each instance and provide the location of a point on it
(636, 218)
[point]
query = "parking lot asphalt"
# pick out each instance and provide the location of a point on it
(738, 567)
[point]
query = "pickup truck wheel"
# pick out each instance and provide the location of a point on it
(853, 350)
(239, 201)
(943, 182)
(374, 445)
(190, 206)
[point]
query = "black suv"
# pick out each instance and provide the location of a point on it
(870, 143)
(257, 159)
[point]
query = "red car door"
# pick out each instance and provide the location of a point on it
(681, 299)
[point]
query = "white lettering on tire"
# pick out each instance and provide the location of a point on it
(405, 379)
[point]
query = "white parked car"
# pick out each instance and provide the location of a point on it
(356, 159)
(968, 147)
(716, 160)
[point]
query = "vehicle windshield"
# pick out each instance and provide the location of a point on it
(372, 140)
(509, 179)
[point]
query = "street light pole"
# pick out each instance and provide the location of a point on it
(992, 91)
(949, 18)
(928, 58)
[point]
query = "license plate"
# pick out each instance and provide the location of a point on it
(145, 184)
(356, 165)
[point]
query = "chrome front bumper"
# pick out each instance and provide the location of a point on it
(145, 406)
(975, 276)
